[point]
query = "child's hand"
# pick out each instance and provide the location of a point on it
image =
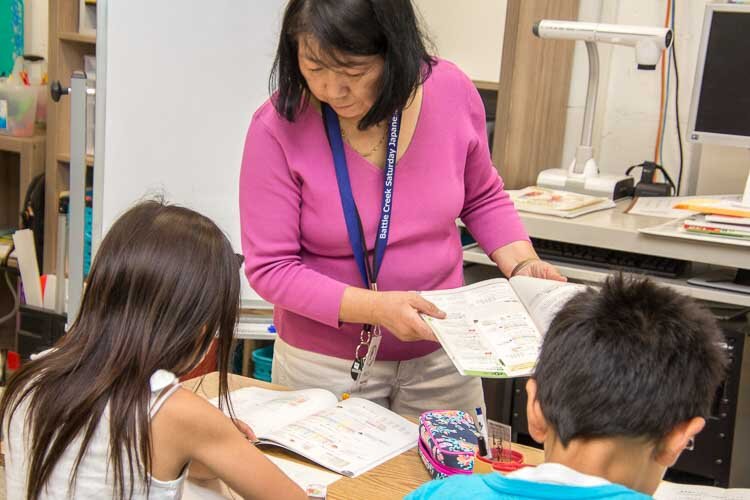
(246, 430)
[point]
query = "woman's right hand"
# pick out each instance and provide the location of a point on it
(399, 313)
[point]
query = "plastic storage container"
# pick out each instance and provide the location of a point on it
(17, 110)
(262, 360)
(42, 100)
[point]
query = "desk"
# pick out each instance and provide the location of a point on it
(614, 229)
(393, 479)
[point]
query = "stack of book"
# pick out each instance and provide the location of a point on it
(721, 226)
(717, 217)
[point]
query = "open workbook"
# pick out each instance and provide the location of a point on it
(349, 437)
(494, 328)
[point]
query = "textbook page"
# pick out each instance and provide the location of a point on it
(543, 298)
(487, 331)
(304, 475)
(350, 437)
(265, 410)
(675, 491)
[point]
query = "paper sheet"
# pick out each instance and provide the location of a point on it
(663, 206)
(27, 263)
(674, 491)
(304, 475)
(658, 206)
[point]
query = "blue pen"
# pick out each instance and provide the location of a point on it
(482, 428)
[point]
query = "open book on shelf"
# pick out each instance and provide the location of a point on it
(494, 328)
(558, 203)
(349, 437)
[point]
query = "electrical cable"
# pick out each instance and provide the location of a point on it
(16, 303)
(659, 129)
(666, 96)
(677, 106)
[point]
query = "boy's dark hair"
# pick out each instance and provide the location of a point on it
(633, 360)
(387, 28)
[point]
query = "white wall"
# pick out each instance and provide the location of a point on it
(628, 107)
(468, 33)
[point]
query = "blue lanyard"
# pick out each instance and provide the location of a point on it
(351, 214)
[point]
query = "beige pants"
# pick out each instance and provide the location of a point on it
(406, 387)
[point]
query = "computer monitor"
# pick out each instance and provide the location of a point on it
(720, 110)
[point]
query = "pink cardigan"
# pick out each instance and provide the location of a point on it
(294, 237)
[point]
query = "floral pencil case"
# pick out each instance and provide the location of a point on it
(447, 442)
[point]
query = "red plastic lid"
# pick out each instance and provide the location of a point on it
(515, 462)
(509, 466)
(14, 361)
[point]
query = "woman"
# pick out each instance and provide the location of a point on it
(355, 86)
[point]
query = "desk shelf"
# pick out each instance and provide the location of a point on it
(590, 274)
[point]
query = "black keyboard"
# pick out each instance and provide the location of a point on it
(609, 259)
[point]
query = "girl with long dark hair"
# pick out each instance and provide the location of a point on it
(102, 414)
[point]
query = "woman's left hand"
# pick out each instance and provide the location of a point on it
(541, 269)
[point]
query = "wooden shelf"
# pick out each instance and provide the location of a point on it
(68, 46)
(73, 36)
(16, 144)
(485, 85)
(65, 158)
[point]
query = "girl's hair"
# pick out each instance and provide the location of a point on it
(164, 282)
(387, 28)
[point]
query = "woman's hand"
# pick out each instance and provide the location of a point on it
(541, 269)
(399, 313)
(520, 259)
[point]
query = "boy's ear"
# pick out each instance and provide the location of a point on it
(676, 440)
(538, 426)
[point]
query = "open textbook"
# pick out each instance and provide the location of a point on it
(494, 328)
(349, 437)
(558, 203)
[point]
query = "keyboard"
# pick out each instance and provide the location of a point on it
(626, 262)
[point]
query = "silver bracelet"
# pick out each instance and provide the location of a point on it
(523, 264)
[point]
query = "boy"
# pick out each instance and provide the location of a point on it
(624, 380)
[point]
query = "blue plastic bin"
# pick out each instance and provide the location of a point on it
(262, 360)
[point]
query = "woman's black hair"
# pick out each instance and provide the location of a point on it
(387, 28)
